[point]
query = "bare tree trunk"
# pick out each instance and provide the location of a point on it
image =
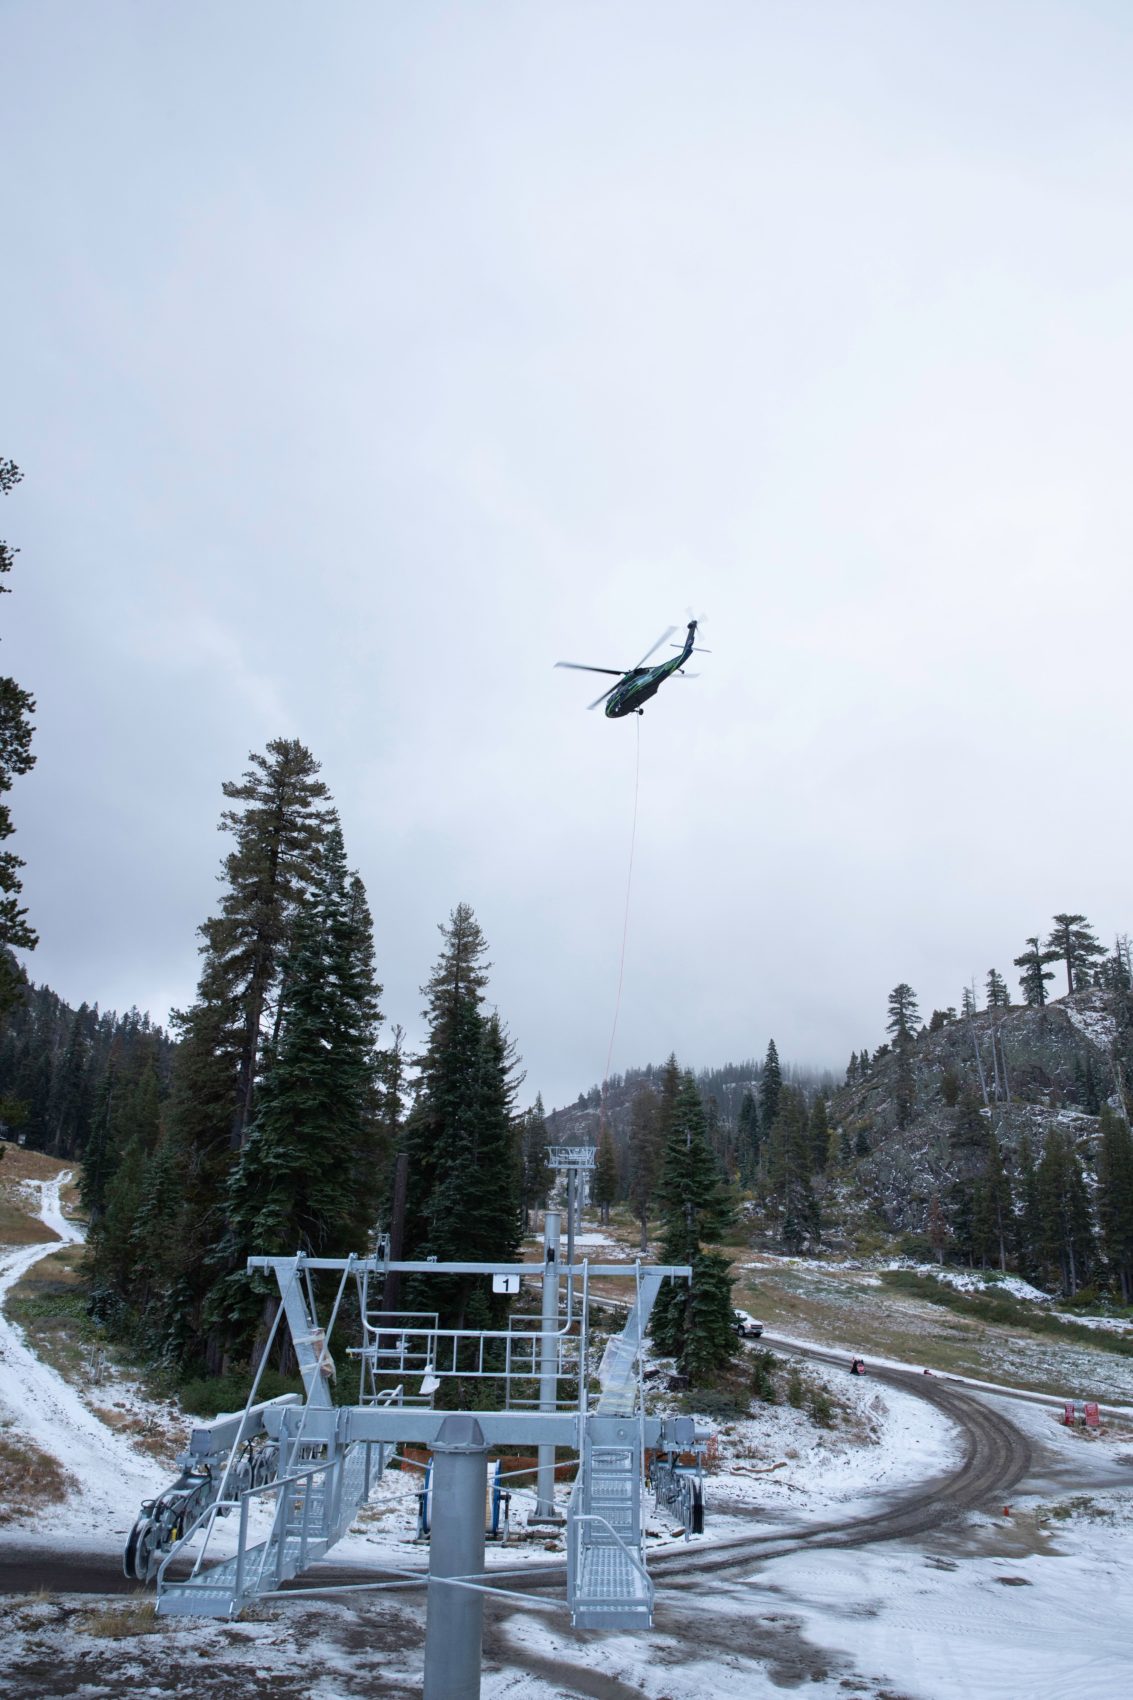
(979, 1066)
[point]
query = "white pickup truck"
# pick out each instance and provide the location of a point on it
(746, 1326)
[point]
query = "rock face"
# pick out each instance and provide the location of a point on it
(1022, 1070)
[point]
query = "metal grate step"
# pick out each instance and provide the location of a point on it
(610, 1593)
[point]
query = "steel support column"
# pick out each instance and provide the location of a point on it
(548, 1360)
(454, 1624)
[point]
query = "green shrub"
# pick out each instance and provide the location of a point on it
(821, 1407)
(795, 1389)
(1001, 1308)
(719, 1405)
(207, 1396)
(763, 1384)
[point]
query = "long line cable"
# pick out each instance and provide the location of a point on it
(625, 920)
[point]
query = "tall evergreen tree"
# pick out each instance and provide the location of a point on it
(1072, 941)
(770, 1086)
(463, 1199)
(538, 1177)
(970, 1128)
(936, 1228)
(309, 1174)
(997, 994)
(1067, 1241)
(903, 1014)
(269, 877)
(1028, 1224)
(789, 1161)
(280, 834)
(1035, 973)
(604, 1188)
(16, 709)
(819, 1134)
(991, 1209)
(693, 1321)
(749, 1138)
(645, 1152)
(1115, 1199)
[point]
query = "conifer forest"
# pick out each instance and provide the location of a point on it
(280, 1110)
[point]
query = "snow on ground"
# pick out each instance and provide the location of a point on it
(111, 1475)
(773, 1471)
(967, 1280)
(990, 1608)
(776, 1468)
(988, 1282)
(1097, 1025)
(1032, 1603)
(994, 1607)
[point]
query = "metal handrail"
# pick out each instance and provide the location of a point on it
(579, 1517)
(213, 1509)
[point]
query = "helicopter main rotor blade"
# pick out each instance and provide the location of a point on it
(603, 697)
(664, 638)
(580, 667)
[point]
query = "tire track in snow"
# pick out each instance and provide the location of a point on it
(110, 1475)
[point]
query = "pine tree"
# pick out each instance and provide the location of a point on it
(903, 1014)
(693, 1321)
(970, 1128)
(71, 1104)
(789, 1157)
(16, 709)
(997, 995)
(463, 1195)
(604, 1189)
(1028, 1225)
(968, 1005)
(537, 1174)
(749, 1138)
(819, 1134)
(270, 877)
(936, 1228)
(645, 1154)
(770, 1086)
(992, 1212)
(1066, 1234)
(280, 834)
(719, 1140)
(308, 1176)
(1072, 941)
(1115, 1199)
(1035, 973)
(904, 1087)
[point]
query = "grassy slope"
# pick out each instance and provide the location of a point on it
(19, 1222)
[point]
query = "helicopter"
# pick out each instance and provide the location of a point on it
(637, 684)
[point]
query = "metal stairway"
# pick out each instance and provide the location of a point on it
(618, 1371)
(608, 1586)
(314, 1508)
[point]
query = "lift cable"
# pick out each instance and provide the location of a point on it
(625, 921)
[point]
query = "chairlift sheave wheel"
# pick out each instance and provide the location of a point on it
(140, 1549)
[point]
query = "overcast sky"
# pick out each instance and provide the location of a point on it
(364, 359)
